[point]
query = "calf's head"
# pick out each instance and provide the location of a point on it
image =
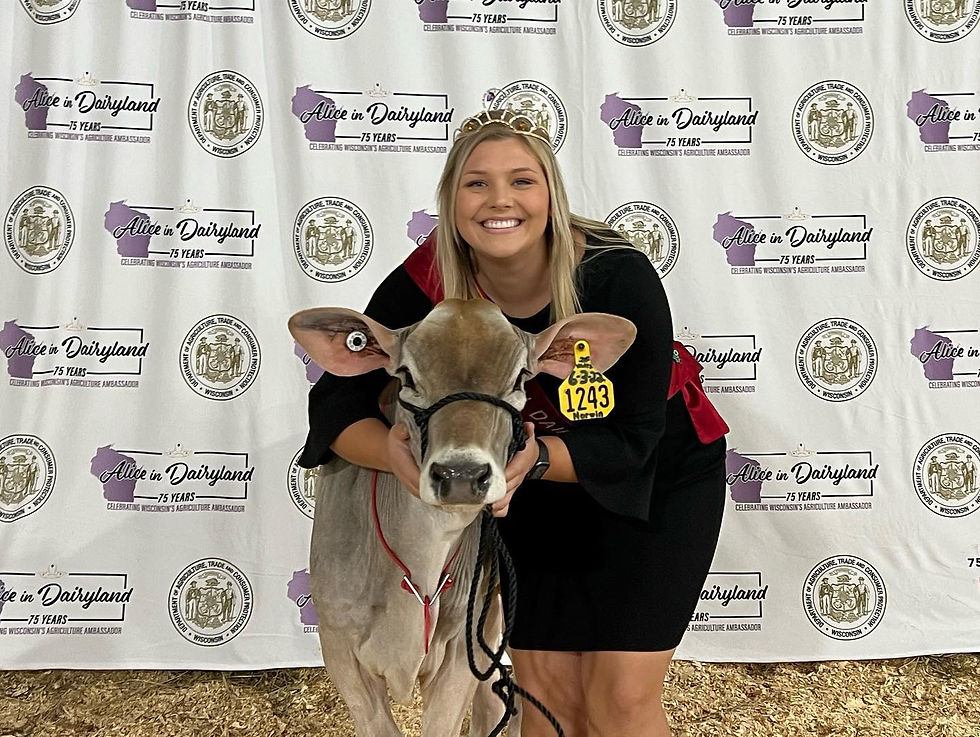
(462, 371)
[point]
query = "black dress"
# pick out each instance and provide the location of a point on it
(617, 560)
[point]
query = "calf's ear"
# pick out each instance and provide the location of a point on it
(608, 337)
(324, 331)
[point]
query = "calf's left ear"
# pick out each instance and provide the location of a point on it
(608, 337)
(324, 333)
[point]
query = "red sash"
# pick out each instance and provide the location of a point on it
(685, 376)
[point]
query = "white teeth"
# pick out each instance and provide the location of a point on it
(494, 224)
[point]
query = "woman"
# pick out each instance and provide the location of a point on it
(614, 528)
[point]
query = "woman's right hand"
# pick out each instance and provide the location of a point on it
(402, 461)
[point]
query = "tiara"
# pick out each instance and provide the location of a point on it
(517, 122)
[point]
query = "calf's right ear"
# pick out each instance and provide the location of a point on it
(324, 331)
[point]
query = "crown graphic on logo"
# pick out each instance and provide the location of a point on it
(87, 79)
(682, 96)
(801, 451)
(687, 334)
(377, 91)
(797, 214)
(74, 325)
(52, 571)
(188, 206)
(177, 451)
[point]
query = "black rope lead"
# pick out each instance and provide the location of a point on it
(492, 550)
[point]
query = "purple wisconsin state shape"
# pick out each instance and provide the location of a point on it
(920, 104)
(726, 227)
(36, 118)
(419, 227)
(748, 492)
(105, 460)
(19, 366)
(150, 5)
(119, 215)
(623, 136)
(736, 16)
(313, 370)
(298, 590)
(933, 368)
(306, 100)
(432, 11)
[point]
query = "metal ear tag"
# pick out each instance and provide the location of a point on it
(356, 340)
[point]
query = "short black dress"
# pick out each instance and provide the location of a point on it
(616, 561)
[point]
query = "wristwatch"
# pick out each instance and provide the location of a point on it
(541, 466)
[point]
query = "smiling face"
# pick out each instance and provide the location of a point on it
(502, 202)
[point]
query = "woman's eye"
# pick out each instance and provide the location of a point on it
(474, 184)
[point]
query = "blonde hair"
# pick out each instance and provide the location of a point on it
(453, 255)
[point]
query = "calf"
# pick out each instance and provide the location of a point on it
(390, 573)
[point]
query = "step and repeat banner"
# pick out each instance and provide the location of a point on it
(180, 177)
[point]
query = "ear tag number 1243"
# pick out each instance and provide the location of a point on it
(586, 394)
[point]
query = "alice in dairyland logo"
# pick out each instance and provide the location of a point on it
(376, 119)
(332, 239)
(945, 475)
(950, 359)
(301, 485)
(529, 17)
(947, 121)
(832, 122)
(205, 11)
(536, 101)
(39, 230)
(220, 357)
(27, 476)
(298, 592)
(46, 12)
(225, 114)
(801, 479)
(57, 602)
(173, 480)
(792, 17)
(73, 354)
(836, 359)
(330, 19)
(637, 22)
(941, 238)
(186, 236)
(651, 230)
(942, 21)
(83, 108)
(794, 243)
(681, 124)
(730, 601)
(210, 602)
(729, 361)
(844, 597)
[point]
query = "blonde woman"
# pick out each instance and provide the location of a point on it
(612, 523)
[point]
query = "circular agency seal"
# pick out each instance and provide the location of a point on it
(832, 122)
(220, 357)
(39, 230)
(942, 21)
(844, 597)
(301, 483)
(946, 475)
(650, 229)
(210, 602)
(637, 23)
(941, 238)
(47, 12)
(836, 359)
(27, 476)
(535, 100)
(332, 239)
(330, 19)
(225, 114)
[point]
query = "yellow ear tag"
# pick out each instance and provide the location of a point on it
(586, 394)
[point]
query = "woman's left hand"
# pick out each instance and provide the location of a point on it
(516, 470)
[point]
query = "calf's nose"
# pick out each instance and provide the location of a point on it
(464, 483)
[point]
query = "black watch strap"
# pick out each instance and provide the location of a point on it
(541, 465)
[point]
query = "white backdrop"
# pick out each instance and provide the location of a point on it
(179, 180)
